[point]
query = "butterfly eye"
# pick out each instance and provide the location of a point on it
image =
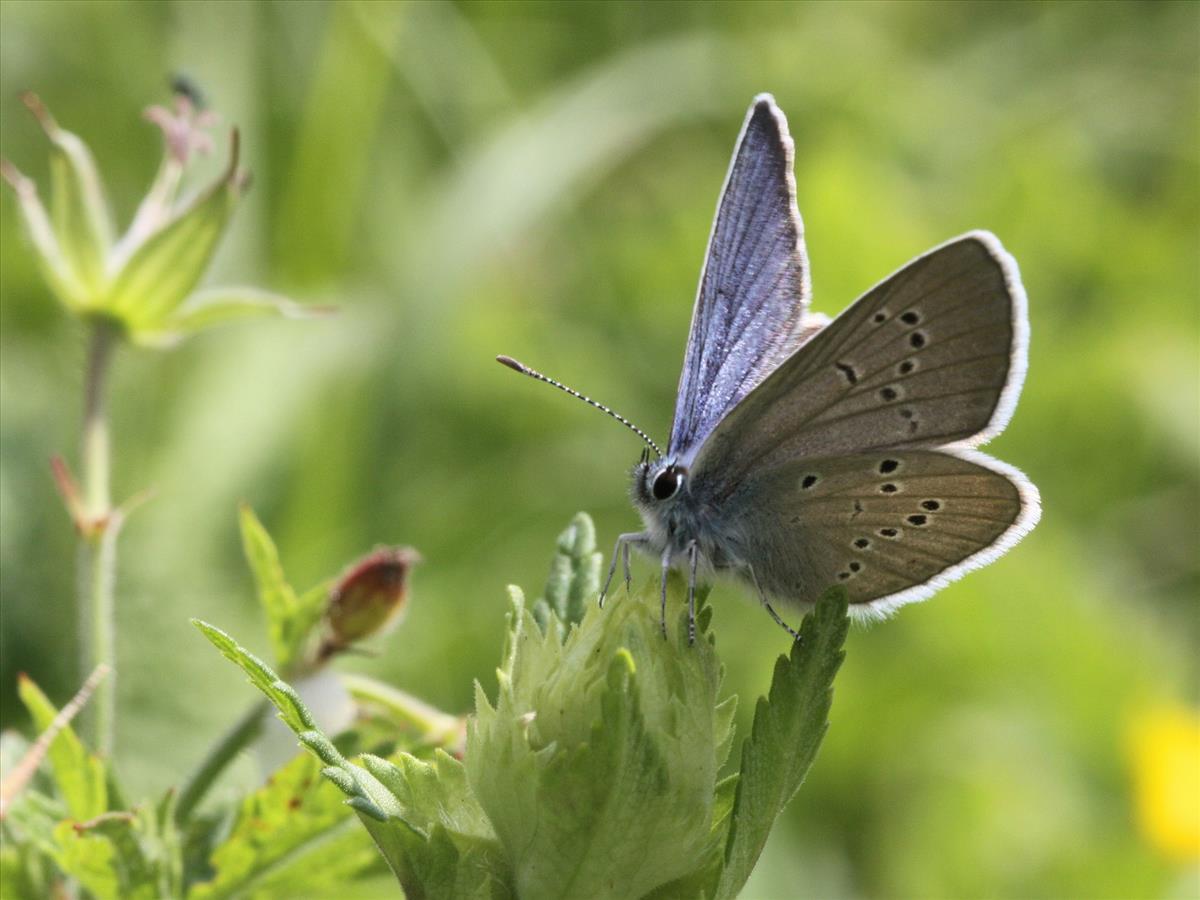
(668, 483)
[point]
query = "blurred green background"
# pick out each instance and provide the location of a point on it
(539, 179)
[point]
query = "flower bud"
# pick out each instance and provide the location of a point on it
(164, 268)
(368, 598)
(144, 281)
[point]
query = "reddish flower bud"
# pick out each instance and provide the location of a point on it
(368, 598)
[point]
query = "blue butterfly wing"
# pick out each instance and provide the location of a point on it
(754, 288)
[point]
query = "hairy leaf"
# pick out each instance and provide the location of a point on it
(294, 835)
(421, 815)
(290, 618)
(80, 776)
(788, 727)
(574, 575)
(597, 765)
(594, 772)
(291, 710)
(123, 854)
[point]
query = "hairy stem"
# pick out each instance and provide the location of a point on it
(96, 491)
(98, 538)
(221, 754)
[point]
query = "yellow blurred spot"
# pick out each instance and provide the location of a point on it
(1166, 772)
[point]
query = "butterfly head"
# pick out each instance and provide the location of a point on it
(657, 481)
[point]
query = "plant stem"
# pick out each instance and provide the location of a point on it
(98, 538)
(220, 755)
(436, 727)
(96, 491)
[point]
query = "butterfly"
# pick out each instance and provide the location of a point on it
(807, 452)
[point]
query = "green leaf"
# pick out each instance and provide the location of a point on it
(216, 306)
(290, 619)
(79, 776)
(164, 269)
(23, 871)
(293, 836)
(91, 859)
(292, 711)
(305, 617)
(123, 855)
(788, 727)
(79, 212)
(610, 740)
(594, 772)
(31, 819)
(275, 595)
(26, 831)
(448, 847)
(421, 816)
(574, 575)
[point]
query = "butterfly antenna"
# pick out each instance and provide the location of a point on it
(534, 373)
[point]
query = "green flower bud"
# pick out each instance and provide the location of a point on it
(143, 281)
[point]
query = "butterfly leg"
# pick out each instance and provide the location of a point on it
(774, 615)
(666, 568)
(621, 550)
(693, 552)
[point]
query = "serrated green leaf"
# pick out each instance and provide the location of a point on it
(291, 710)
(608, 740)
(32, 818)
(293, 836)
(91, 860)
(436, 793)
(594, 771)
(452, 850)
(23, 874)
(27, 844)
(788, 727)
(290, 619)
(574, 575)
(123, 854)
(725, 712)
(27, 839)
(216, 306)
(13, 747)
(425, 822)
(165, 268)
(79, 776)
(275, 595)
(423, 830)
